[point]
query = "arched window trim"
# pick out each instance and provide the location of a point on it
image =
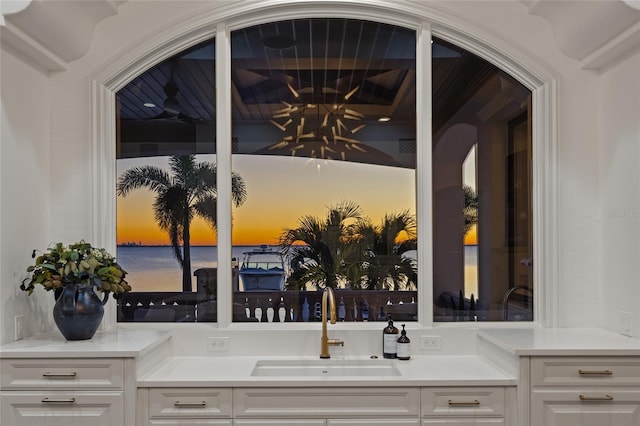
(206, 25)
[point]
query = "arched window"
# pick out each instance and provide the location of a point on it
(325, 176)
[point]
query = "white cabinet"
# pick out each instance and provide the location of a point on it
(463, 406)
(463, 422)
(388, 406)
(348, 402)
(52, 392)
(62, 408)
(327, 406)
(279, 422)
(585, 391)
(373, 422)
(185, 406)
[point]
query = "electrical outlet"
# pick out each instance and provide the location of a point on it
(18, 326)
(218, 344)
(625, 323)
(431, 343)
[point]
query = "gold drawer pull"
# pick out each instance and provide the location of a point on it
(59, 400)
(464, 403)
(179, 404)
(595, 373)
(59, 375)
(596, 398)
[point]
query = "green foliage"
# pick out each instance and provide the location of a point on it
(345, 249)
(76, 263)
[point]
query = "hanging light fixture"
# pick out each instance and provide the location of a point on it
(318, 130)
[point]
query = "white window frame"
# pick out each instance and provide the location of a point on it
(426, 23)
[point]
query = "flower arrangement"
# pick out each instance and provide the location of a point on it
(77, 263)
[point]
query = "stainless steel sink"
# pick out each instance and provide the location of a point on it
(325, 368)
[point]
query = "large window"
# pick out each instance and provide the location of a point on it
(482, 226)
(166, 217)
(324, 127)
(324, 180)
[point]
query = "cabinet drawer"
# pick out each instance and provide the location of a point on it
(191, 422)
(374, 422)
(603, 408)
(77, 374)
(563, 371)
(326, 402)
(189, 403)
(462, 402)
(464, 422)
(279, 422)
(62, 408)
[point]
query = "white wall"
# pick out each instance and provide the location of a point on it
(24, 185)
(504, 25)
(619, 209)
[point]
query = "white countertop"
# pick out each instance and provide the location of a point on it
(561, 341)
(424, 370)
(108, 344)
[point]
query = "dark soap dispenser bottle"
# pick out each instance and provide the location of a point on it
(390, 340)
(404, 352)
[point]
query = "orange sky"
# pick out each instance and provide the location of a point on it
(279, 192)
(472, 236)
(277, 196)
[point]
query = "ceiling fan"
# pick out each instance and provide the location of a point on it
(171, 108)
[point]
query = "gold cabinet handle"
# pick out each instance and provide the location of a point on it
(596, 398)
(595, 373)
(464, 403)
(59, 400)
(179, 404)
(59, 375)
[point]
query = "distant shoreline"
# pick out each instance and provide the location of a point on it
(192, 245)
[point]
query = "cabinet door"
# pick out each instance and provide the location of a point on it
(62, 408)
(378, 421)
(595, 408)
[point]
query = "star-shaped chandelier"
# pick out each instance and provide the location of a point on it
(318, 130)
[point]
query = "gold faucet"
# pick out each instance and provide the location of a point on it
(325, 342)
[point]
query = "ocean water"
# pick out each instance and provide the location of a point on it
(156, 269)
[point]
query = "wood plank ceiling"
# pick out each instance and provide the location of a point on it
(320, 59)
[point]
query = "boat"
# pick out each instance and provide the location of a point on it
(262, 269)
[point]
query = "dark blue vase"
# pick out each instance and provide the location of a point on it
(78, 311)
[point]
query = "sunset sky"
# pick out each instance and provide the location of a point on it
(280, 190)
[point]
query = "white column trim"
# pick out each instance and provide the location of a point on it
(424, 176)
(223, 161)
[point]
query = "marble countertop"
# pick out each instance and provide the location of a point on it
(422, 370)
(561, 341)
(123, 343)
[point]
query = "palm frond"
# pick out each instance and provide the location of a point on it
(151, 177)
(206, 208)
(238, 189)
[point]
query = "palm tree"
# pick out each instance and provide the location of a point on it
(190, 191)
(327, 253)
(470, 210)
(385, 266)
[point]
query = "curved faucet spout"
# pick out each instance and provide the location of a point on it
(325, 342)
